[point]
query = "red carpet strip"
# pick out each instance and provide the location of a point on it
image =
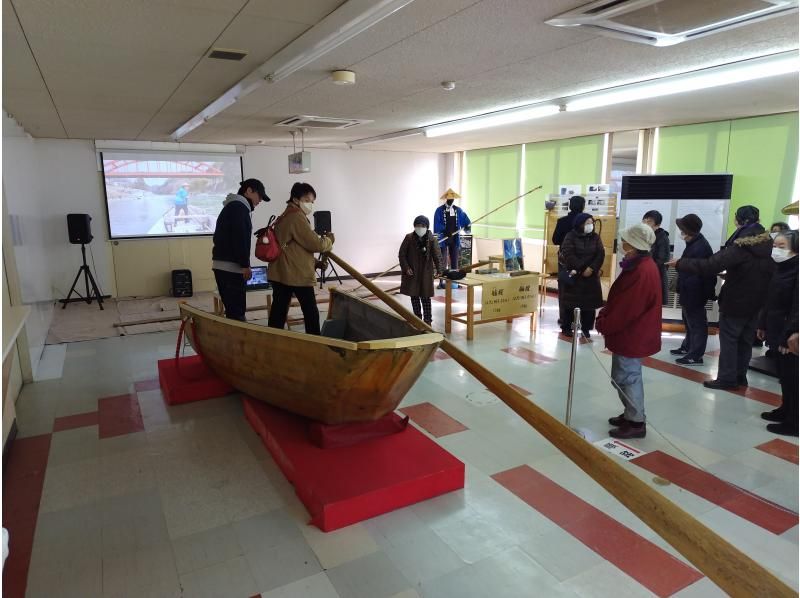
(70, 422)
(781, 449)
(754, 509)
(143, 385)
(433, 420)
(527, 354)
(647, 563)
(23, 480)
(119, 415)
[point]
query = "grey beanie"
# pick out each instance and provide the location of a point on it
(639, 236)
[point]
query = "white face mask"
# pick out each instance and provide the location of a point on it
(773, 235)
(780, 255)
(307, 207)
(420, 230)
(588, 227)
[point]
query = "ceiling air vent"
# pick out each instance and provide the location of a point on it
(321, 122)
(227, 54)
(669, 22)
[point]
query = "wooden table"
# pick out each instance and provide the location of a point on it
(471, 282)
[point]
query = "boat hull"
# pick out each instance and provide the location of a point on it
(328, 380)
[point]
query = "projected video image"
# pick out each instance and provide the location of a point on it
(159, 194)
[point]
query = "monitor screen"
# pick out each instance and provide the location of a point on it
(164, 194)
(259, 279)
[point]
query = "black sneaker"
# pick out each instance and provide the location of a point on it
(680, 351)
(631, 430)
(720, 385)
(689, 361)
(567, 333)
(776, 415)
(618, 420)
(783, 429)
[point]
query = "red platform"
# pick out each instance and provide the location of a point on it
(189, 381)
(344, 485)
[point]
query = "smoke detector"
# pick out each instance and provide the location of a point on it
(448, 85)
(343, 77)
(669, 22)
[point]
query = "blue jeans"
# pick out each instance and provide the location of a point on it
(626, 376)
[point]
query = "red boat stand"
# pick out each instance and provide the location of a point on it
(347, 484)
(187, 379)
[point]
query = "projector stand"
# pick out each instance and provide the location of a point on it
(91, 293)
(324, 271)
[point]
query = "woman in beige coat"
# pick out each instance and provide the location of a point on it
(294, 272)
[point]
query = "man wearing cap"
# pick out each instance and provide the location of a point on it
(694, 291)
(448, 221)
(631, 325)
(747, 262)
(232, 242)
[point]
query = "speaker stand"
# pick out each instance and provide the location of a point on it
(324, 275)
(92, 291)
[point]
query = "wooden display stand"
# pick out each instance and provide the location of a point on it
(606, 215)
(471, 281)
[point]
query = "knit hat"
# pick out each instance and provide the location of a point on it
(579, 221)
(640, 236)
(422, 221)
(690, 224)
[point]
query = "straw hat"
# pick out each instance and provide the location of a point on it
(791, 209)
(450, 194)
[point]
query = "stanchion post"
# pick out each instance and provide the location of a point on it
(576, 327)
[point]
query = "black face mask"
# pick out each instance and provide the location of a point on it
(450, 202)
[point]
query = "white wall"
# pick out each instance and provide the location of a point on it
(373, 196)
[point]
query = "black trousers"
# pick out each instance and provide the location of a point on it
(696, 323)
(231, 287)
(451, 247)
(788, 374)
(587, 319)
(736, 335)
(282, 296)
(425, 311)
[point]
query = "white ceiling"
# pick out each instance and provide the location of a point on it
(136, 69)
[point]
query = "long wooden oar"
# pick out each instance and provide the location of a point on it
(734, 572)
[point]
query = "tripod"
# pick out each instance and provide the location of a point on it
(323, 259)
(94, 293)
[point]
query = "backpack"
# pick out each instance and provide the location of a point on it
(267, 247)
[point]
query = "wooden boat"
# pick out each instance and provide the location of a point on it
(359, 377)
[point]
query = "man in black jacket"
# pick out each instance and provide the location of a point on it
(747, 261)
(232, 242)
(564, 225)
(694, 290)
(661, 250)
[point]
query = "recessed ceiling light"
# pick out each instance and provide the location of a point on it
(343, 77)
(448, 85)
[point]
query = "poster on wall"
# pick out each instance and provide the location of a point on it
(569, 189)
(465, 256)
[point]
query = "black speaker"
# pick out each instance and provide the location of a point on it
(322, 222)
(181, 283)
(79, 229)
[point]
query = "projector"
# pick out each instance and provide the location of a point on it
(299, 162)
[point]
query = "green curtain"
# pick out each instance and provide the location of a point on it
(578, 160)
(761, 153)
(492, 179)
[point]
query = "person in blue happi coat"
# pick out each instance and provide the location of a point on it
(448, 222)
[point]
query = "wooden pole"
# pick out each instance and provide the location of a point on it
(734, 572)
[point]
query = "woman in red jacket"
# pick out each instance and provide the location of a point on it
(631, 325)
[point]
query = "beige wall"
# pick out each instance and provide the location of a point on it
(142, 268)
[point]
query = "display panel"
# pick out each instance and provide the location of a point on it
(161, 194)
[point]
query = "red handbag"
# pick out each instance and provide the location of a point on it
(268, 249)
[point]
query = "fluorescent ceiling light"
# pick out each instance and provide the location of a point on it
(385, 137)
(342, 25)
(749, 70)
(494, 119)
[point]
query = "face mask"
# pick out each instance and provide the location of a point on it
(420, 230)
(450, 202)
(307, 207)
(773, 235)
(780, 255)
(588, 227)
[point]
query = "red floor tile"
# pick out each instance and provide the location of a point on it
(23, 480)
(527, 354)
(70, 422)
(650, 565)
(119, 415)
(754, 509)
(433, 420)
(143, 385)
(524, 392)
(439, 299)
(781, 449)
(439, 355)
